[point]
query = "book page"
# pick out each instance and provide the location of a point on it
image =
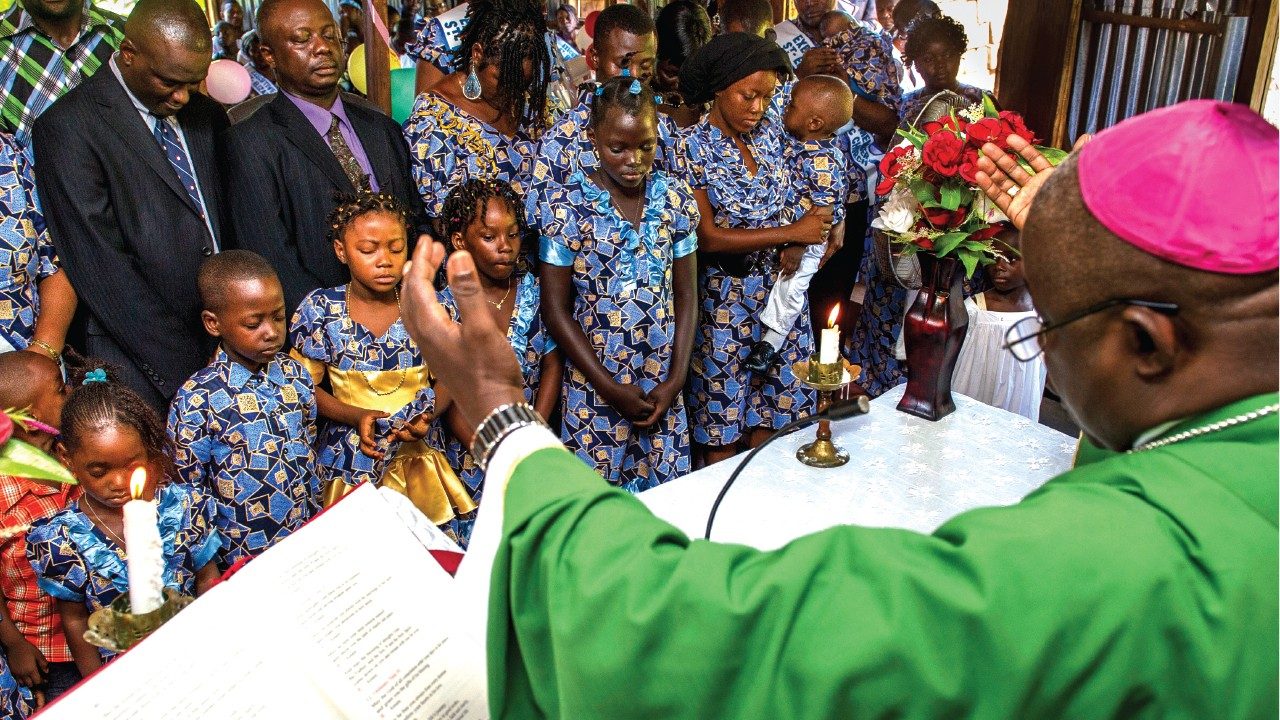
(350, 617)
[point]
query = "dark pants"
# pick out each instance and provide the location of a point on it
(62, 676)
(834, 282)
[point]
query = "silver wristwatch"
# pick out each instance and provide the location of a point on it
(501, 422)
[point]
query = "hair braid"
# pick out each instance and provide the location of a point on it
(350, 207)
(510, 33)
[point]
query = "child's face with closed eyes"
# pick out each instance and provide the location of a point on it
(493, 239)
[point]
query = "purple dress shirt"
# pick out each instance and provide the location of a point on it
(321, 119)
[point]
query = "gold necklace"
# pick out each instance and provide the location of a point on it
(103, 526)
(403, 373)
(505, 295)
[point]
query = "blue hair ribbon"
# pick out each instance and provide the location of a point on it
(599, 90)
(626, 72)
(94, 376)
(635, 87)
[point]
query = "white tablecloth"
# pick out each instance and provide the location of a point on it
(903, 472)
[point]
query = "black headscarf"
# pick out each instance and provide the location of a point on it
(727, 59)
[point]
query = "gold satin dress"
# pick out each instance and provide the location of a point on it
(324, 338)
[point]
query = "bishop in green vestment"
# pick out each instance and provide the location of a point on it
(1142, 583)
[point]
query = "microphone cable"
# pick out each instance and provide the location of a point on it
(859, 405)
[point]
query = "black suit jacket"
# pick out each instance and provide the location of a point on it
(282, 180)
(129, 236)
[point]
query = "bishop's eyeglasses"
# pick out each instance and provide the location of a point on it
(1023, 337)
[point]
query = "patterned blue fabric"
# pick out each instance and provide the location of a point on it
(447, 147)
(322, 330)
(531, 343)
(725, 400)
(247, 438)
(821, 177)
(177, 155)
(75, 561)
(565, 148)
(623, 299)
(15, 700)
(867, 58)
(26, 253)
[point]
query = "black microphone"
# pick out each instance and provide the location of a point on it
(840, 410)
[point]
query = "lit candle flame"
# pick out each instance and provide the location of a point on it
(835, 315)
(137, 483)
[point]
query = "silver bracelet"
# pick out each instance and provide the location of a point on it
(497, 425)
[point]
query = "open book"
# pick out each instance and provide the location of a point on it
(350, 617)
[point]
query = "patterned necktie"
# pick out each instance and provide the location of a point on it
(346, 159)
(177, 155)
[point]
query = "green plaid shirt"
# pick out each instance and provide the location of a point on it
(34, 71)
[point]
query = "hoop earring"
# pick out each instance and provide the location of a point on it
(471, 88)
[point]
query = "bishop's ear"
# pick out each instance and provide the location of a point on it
(1153, 340)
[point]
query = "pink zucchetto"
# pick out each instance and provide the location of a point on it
(1194, 184)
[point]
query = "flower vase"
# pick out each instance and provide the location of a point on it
(933, 331)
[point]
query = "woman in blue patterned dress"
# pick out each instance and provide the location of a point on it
(486, 219)
(482, 121)
(747, 211)
(620, 295)
(79, 555)
(936, 44)
(371, 380)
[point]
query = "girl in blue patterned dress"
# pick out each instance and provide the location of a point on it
(486, 218)
(747, 204)
(619, 295)
(482, 121)
(351, 339)
(78, 555)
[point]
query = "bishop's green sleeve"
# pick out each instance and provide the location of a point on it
(1067, 605)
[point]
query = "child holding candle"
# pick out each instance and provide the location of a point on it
(79, 555)
(244, 426)
(351, 338)
(819, 106)
(620, 297)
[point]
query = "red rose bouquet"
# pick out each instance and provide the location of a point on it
(932, 203)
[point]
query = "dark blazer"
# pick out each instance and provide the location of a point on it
(129, 236)
(282, 178)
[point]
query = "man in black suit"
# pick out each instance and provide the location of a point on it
(127, 167)
(289, 158)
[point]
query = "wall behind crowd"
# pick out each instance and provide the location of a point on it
(983, 22)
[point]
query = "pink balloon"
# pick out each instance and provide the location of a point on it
(228, 82)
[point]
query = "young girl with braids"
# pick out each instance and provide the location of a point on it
(482, 120)
(619, 295)
(486, 218)
(79, 554)
(351, 339)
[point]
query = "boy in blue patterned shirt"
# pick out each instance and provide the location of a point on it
(244, 426)
(818, 106)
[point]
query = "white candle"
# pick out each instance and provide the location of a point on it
(144, 552)
(829, 342)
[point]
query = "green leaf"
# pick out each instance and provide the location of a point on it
(947, 242)
(924, 193)
(953, 195)
(989, 108)
(915, 137)
(970, 262)
(22, 460)
(1052, 154)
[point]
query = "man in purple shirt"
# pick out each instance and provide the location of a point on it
(290, 159)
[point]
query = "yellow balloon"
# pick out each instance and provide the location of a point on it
(356, 68)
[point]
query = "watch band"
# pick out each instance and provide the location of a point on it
(499, 423)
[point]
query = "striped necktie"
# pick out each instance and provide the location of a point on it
(177, 155)
(346, 158)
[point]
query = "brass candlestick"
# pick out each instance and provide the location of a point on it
(116, 629)
(826, 378)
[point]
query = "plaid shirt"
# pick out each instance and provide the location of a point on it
(34, 71)
(22, 502)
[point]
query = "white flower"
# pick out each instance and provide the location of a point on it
(899, 212)
(987, 210)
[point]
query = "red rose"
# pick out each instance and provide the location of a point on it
(988, 130)
(943, 219)
(947, 122)
(987, 232)
(886, 186)
(943, 153)
(969, 165)
(1013, 124)
(891, 163)
(924, 242)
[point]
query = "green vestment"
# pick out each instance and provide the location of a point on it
(1136, 585)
